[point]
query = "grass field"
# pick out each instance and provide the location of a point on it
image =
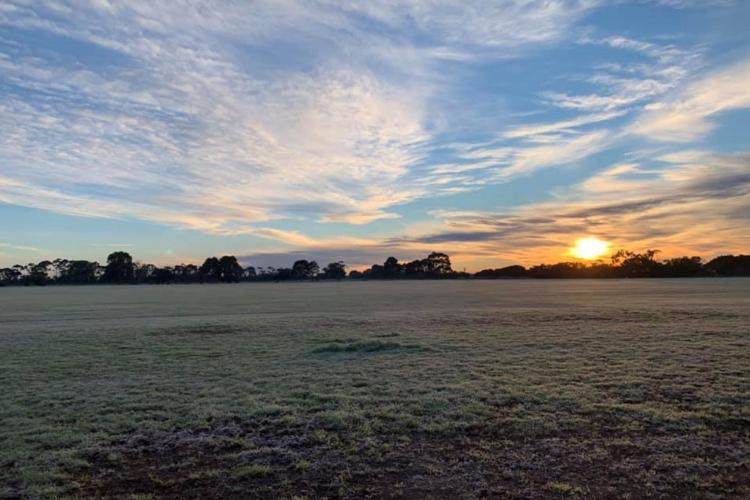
(521, 389)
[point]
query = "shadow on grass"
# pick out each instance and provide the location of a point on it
(365, 346)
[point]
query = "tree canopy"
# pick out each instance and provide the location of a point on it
(122, 269)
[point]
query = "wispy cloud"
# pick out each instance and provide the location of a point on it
(591, 128)
(689, 115)
(626, 84)
(540, 130)
(183, 125)
(19, 247)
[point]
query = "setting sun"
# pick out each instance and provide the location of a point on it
(590, 248)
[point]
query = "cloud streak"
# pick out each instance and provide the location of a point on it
(689, 115)
(235, 141)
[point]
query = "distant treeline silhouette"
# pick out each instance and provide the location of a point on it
(121, 269)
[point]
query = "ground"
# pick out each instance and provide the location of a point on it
(619, 389)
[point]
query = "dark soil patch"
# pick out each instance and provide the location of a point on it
(10, 485)
(262, 458)
(364, 346)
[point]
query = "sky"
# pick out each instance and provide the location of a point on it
(498, 132)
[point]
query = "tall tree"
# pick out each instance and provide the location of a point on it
(38, 274)
(10, 276)
(438, 264)
(391, 268)
(730, 265)
(120, 268)
(230, 270)
(683, 267)
(210, 270)
(144, 272)
(78, 272)
(186, 273)
(335, 271)
(162, 275)
(637, 265)
(415, 268)
(304, 269)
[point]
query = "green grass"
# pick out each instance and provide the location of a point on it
(474, 394)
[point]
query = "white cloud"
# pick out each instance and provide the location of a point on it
(191, 121)
(559, 152)
(504, 23)
(531, 131)
(22, 248)
(492, 163)
(621, 86)
(526, 147)
(208, 140)
(689, 115)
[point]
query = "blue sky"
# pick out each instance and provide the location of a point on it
(498, 131)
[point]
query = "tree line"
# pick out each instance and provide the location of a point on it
(120, 268)
(626, 264)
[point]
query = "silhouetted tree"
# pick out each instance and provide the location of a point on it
(730, 265)
(376, 272)
(303, 269)
(210, 270)
(334, 270)
(435, 265)
(438, 264)
(10, 276)
(313, 269)
(163, 275)
(225, 269)
(20, 272)
(503, 272)
(283, 274)
(38, 274)
(77, 272)
(143, 272)
(266, 274)
(637, 265)
(186, 273)
(561, 270)
(120, 268)
(230, 270)
(683, 267)
(415, 268)
(59, 267)
(391, 268)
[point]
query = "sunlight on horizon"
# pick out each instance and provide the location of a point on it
(590, 248)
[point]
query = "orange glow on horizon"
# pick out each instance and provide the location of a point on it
(590, 248)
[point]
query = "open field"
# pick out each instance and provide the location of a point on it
(527, 389)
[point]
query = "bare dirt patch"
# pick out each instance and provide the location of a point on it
(264, 458)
